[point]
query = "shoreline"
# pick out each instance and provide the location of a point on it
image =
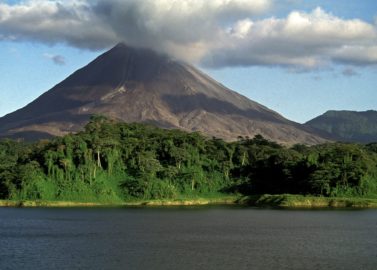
(148, 203)
(281, 201)
(310, 202)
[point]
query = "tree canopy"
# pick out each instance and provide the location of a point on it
(111, 161)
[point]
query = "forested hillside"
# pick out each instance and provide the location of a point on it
(349, 126)
(112, 162)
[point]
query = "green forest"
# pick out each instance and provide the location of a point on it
(114, 162)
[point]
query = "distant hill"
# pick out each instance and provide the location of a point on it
(348, 125)
(139, 85)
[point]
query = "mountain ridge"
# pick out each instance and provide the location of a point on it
(346, 125)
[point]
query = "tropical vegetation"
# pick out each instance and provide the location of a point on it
(116, 162)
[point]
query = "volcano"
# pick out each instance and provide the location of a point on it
(139, 85)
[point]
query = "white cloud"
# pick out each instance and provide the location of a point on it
(357, 55)
(213, 32)
(306, 40)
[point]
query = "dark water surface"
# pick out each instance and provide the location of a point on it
(187, 238)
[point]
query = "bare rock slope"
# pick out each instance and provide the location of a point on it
(139, 85)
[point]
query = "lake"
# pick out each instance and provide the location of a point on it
(187, 238)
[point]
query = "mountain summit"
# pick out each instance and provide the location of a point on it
(140, 85)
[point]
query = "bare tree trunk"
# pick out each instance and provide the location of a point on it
(98, 160)
(243, 158)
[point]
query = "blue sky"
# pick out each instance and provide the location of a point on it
(300, 58)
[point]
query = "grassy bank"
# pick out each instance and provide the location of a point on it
(163, 202)
(190, 201)
(38, 203)
(300, 201)
(278, 201)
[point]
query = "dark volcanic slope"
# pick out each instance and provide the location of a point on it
(348, 125)
(139, 85)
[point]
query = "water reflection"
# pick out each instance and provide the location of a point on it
(187, 238)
